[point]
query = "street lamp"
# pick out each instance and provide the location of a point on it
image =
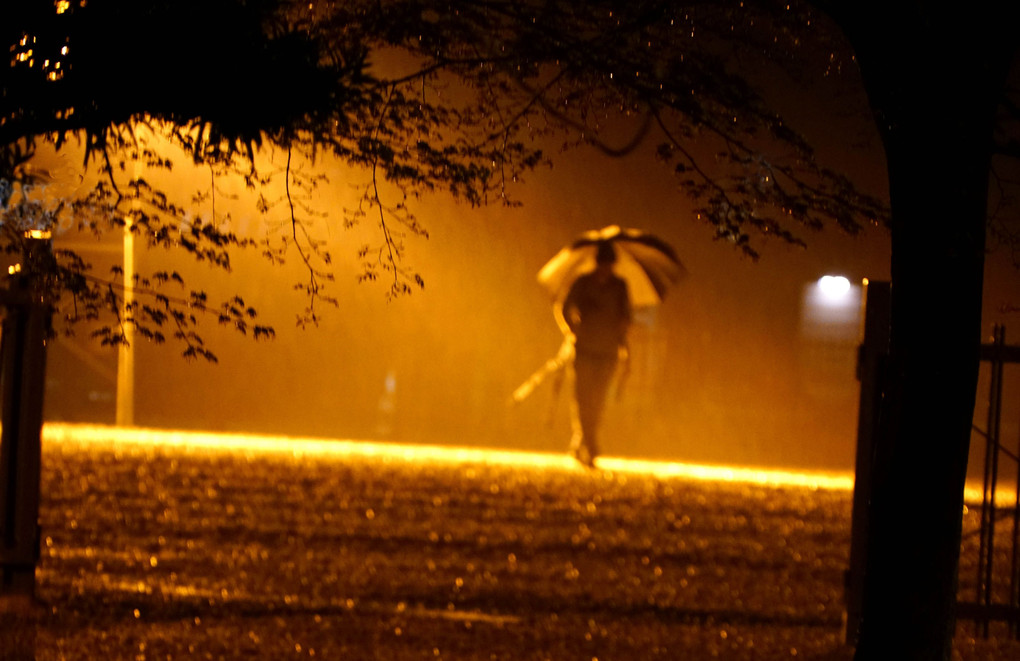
(833, 288)
(831, 308)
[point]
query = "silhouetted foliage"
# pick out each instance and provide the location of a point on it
(465, 95)
(219, 80)
(675, 69)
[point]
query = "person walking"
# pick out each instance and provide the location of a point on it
(594, 317)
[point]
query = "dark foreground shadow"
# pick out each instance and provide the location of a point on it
(19, 622)
(464, 630)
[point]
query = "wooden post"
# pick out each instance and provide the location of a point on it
(22, 383)
(870, 372)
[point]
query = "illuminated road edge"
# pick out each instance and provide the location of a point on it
(122, 438)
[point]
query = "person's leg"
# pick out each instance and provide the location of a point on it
(577, 438)
(592, 377)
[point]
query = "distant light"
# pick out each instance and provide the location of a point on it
(14, 268)
(831, 309)
(38, 234)
(833, 287)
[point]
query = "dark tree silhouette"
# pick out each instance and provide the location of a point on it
(465, 91)
(936, 108)
(219, 80)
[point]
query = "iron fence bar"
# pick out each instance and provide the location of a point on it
(986, 551)
(1014, 579)
(1001, 514)
(995, 351)
(985, 609)
(1000, 343)
(1009, 454)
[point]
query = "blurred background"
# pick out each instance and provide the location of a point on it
(748, 363)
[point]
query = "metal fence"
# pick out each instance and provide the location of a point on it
(989, 577)
(996, 578)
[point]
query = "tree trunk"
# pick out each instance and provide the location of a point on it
(934, 77)
(921, 458)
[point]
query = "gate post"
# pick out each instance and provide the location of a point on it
(871, 358)
(22, 382)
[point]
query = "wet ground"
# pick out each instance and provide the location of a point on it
(171, 554)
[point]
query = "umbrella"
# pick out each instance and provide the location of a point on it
(648, 264)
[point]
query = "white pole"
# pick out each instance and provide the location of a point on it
(126, 351)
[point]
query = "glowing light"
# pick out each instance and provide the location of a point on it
(741, 474)
(131, 438)
(14, 268)
(38, 234)
(831, 310)
(834, 287)
(144, 440)
(62, 6)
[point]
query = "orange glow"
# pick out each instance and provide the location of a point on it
(140, 440)
(130, 438)
(743, 474)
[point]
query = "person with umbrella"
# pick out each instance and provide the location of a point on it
(595, 283)
(594, 317)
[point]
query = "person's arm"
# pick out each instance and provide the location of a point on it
(561, 319)
(565, 313)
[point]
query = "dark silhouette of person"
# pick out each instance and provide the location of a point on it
(594, 317)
